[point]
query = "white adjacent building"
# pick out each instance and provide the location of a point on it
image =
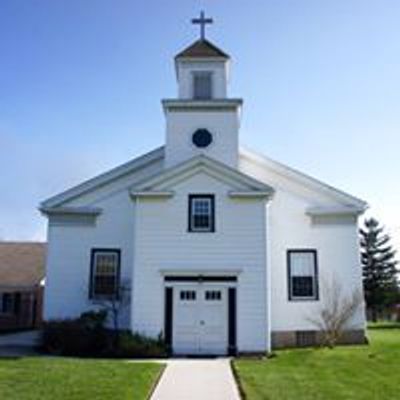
(224, 250)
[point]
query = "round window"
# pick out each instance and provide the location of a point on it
(202, 138)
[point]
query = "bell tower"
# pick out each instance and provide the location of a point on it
(202, 120)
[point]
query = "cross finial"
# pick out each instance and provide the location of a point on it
(202, 21)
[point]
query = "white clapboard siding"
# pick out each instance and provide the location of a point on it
(163, 243)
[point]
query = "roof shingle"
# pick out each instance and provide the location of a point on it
(22, 264)
(202, 48)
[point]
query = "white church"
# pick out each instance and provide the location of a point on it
(224, 250)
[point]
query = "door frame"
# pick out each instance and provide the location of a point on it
(231, 285)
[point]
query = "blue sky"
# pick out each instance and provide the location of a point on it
(81, 83)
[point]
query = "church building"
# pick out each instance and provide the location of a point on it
(220, 249)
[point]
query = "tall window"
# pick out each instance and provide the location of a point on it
(303, 274)
(105, 273)
(202, 85)
(201, 213)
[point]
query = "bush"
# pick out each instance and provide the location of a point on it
(83, 336)
(87, 336)
(140, 346)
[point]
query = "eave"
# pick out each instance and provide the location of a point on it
(151, 194)
(204, 105)
(250, 194)
(89, 211)
(335, 211)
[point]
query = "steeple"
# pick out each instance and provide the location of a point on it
(202, 120)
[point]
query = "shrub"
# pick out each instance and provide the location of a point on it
(94, 320)
(87, 336)
(83, 336)
(140, 346)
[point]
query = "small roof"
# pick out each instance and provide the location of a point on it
(22, 264)
(202, 48)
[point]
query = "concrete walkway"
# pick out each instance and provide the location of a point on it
(19, 344)
(25, 338)
(201, 379)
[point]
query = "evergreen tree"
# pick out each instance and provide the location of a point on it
(379, 267)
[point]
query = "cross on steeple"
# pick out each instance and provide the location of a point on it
(202, 21)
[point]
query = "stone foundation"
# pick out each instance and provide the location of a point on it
(286, 339)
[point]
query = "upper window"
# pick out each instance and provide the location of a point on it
(201, 213)
(303, 275)
(202, 85)
(105, 272)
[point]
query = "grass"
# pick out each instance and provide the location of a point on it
(41, 378)
(347, 372)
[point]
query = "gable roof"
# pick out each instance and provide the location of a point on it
(22, 264)
(205, 164)
(304, 179)
(103, 179)
(202, 48)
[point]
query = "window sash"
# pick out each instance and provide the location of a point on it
(105, 273)
(303, 275)
(202, 85)
(303, 286)
(302, 264)
(105, 285)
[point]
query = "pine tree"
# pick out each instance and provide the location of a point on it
(379, 267)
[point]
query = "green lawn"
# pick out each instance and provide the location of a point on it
(40, 378)
(347, 372)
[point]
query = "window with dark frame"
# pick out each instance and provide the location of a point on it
(201, 213)
(302, 274)
(202, 85)
(7, 305)
(105, 273)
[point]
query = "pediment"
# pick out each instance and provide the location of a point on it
(236, 180)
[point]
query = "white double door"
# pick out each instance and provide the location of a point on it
(200, 319)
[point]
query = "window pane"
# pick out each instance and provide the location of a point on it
(302, 264)
(202, 86)
(201, 206)
(106, 264)
(105, 285)
(201, 221)
(187, 295)
(213, 295)
(302, 286)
